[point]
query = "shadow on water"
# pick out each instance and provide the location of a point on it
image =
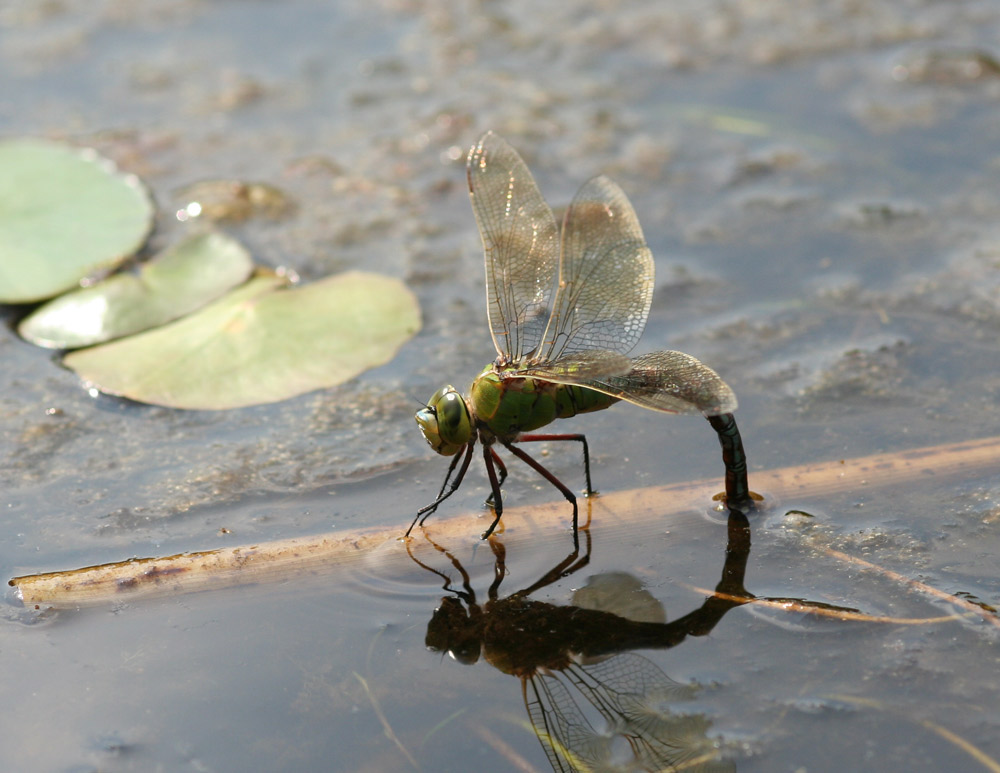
(585, 650)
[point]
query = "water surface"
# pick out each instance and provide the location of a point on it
(819, 187)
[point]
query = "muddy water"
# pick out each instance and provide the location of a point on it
(818, 183)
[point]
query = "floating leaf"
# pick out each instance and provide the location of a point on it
(233, 200)
(65, 214)
(179, 280)
(261, 343)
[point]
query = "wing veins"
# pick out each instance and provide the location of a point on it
(595, 306)
(519, 235)
(669, 382)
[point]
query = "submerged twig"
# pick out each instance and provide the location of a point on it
(796, 605)
(504, 749)
(386, 727)
(970, 608)
(324, 553)
(441, 725)
(954, 738)
(951, 737)
(188, 572)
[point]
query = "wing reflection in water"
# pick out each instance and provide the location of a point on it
(594, 704)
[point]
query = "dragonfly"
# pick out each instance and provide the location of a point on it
(572, 657)
(566, 306)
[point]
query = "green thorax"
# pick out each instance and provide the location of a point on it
(506, 404)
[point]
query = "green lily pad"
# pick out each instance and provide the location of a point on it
(65, 214)
(179, 280)
(261, 343)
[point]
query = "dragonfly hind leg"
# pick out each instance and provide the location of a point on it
(496, 498)
(502, 477)
(537, 467)
(574, 436)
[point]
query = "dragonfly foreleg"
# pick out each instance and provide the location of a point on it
(424, 512)
(738, 495)
(451, 468)
(537, 467)
(581, 438)
(503, 474)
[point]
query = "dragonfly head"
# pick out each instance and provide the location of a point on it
(446, 421)
(456, 630)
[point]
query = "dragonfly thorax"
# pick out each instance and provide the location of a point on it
(445, 421)
(505, 403)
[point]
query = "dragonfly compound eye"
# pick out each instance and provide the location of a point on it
(445, 422)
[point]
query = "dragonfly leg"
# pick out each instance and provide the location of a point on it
(503, 474)
(451, 468)
(468, 595)
(499, 568)
(488, 455)
(424, 512)
(580, 438)
(738, 496)
(537, 467)
(564, 568)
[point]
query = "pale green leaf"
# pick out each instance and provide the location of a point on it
(65, 214)
(179, 280)
(261, 343)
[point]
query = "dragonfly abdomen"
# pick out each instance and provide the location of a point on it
(572, 399)
(508, 405)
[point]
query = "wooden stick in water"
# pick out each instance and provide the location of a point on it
(327, 553)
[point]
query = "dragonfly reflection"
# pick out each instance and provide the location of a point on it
(562, 653)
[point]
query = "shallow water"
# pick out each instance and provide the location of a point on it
(819, 186)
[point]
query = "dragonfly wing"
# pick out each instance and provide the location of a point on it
(520, 239)
(672, 382)
(569, 739)
(606, 276)
(636, 698)
(580, 368)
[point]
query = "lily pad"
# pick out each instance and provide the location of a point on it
(65, 214)
(179, 280)
(261, 343)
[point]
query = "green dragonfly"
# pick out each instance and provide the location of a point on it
(565, 309)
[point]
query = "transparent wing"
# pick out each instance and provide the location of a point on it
(672, 382)
(605, 277)
(561, 727)
(520, 239)
(580, 367)
(635, 696)
(612, 683)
